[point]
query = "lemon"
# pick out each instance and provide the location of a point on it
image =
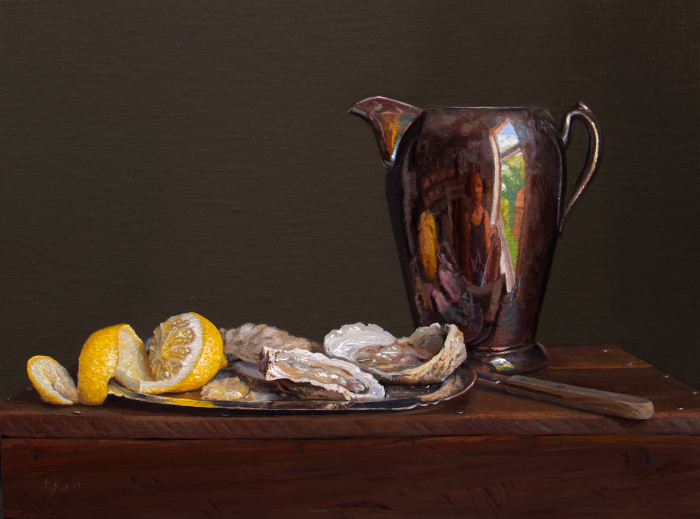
(52, 381)
(97, 364)
(186, 352)
(225, 386)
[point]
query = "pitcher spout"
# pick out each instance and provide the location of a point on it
(389, 121)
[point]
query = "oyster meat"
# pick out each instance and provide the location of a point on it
(247, 342)
(331, 379)
(428, 356)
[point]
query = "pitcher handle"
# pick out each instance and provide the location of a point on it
(595, 150)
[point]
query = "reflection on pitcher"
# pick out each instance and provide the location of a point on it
(473, 193)
(439, 289)
(477, 230)
(512, 193)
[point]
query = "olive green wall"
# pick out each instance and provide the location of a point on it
(163, 157)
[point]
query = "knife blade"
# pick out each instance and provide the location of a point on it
(592, 400)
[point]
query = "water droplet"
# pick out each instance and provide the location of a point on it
(459, 411)
(224, 414)
(629, 363)
(695, 391)
(665, 375)
(8, 398)
(605, 350)
(680, 407)
(77, 412)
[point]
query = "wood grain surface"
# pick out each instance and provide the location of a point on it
(486, 477)
(479, 412)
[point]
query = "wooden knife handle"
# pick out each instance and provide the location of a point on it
(604, 402)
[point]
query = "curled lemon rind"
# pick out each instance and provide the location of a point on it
(98, 362)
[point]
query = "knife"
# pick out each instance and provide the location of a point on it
(593, 400)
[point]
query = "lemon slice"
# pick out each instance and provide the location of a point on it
(186, 352)
(52, 381)
(97, 364)
(225, 386)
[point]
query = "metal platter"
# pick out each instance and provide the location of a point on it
(398, 397)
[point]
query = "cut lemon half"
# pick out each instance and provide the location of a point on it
(97, 364)
(185, 353)
(52, 381)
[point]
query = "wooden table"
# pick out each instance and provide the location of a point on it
(484, 454)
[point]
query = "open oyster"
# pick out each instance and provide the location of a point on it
(428, 356)
(247, 342)
(249, 371)
(331, 379)
(262, 390)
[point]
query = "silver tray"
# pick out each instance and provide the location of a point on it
(398, 397)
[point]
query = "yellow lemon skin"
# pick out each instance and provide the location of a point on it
(97, 364)
(52, 381)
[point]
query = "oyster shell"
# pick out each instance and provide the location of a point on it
(307, 391)
(249, 371)
(429, 356)
(331, 379)
(247, 342)
(260, 388)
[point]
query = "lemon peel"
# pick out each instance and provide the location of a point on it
(52, 381)
(97, 364)
(132, 367)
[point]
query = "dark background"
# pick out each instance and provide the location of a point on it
(164, 157)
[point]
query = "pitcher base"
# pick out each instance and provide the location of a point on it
(510, 361)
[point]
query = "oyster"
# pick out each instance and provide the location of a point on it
(428, 356)
(331, 379)
(247, 342)
(249, 371)
(260, 389)
(307, 391)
